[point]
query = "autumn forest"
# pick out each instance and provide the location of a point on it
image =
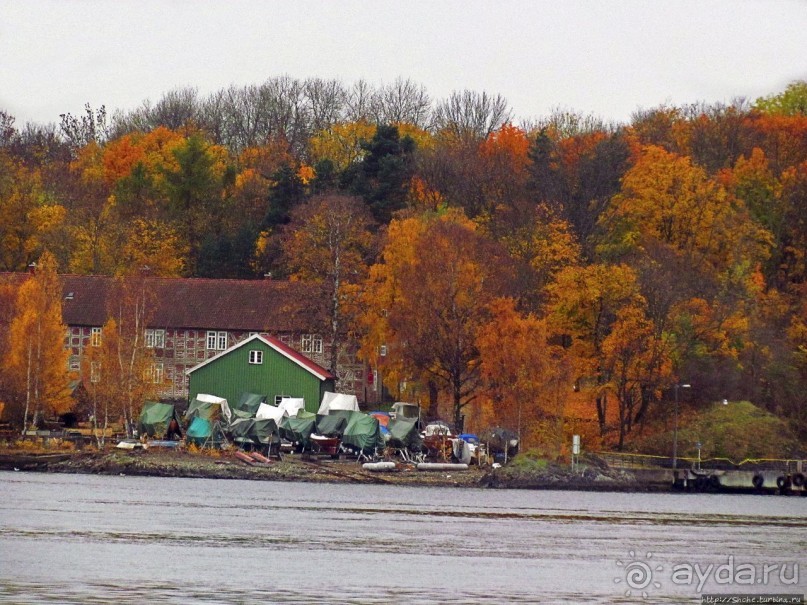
(553, 276)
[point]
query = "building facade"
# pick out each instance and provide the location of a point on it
(190, 320)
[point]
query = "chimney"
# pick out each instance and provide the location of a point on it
(267, 276)
(32, 268)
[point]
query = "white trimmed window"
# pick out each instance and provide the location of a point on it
(216, 341)
(155, 339)
(154, 373)
(311, 343)
(95, 337)
(95, 372)
(256, 357)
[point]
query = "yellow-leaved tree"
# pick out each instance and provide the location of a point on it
(125, 375)
(36, 360)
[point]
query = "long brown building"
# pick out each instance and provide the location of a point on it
(192, 320)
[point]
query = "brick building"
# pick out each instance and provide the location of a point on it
(191, 320)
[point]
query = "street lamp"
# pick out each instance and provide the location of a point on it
(675, 426)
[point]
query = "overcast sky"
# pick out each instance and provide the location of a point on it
(606, 58)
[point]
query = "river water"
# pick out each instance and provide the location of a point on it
(100, 539)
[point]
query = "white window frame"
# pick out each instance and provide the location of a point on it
(95, 372)
(256, 357)
(216, 340)
(311, 343)
(154, 373)
(95, 337)
(155, 339)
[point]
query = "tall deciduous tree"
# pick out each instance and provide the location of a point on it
(525, 377)
(427, 299)
(329, 241)
(28, 216)
(128, 376)
(584, 307)
(37, 359)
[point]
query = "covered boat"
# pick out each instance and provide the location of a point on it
(362, 435)
(270, 412)
(298, 431)
(403, 433)
(209, 407)
(159, 421)
(338, 401)
(291, 405)
(248, 404)
(204, 433)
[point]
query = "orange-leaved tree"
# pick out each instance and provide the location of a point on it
(638, 364)
(525, 377)
(426, 300)
(36, 359)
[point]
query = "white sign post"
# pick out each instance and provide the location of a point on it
(575, 452)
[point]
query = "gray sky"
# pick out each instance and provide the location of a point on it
(603, 57)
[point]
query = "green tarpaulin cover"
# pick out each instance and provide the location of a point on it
(254, 432)
(297, 430)
(155, 418)
(404, 433)
(362, 433)
(331, 425)
(248, 404)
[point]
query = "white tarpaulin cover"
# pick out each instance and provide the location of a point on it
(292, 405)
(225, 407)
(270, 412)
(338, 401)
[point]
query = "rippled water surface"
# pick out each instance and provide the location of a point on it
(91, 539)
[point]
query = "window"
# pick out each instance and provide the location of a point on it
(74, 363)
(383, 351)
(311, 343)
(95, 372)
(154, 373)
(256, 357)
(216, 341)
(155, 339)
(95, 337)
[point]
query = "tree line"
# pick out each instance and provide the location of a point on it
(480, 265)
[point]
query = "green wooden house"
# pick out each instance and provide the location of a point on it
(264, 365)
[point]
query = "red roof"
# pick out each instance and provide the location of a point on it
(281, 348)
(191, 303)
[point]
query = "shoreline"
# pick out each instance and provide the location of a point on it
(181, 464)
